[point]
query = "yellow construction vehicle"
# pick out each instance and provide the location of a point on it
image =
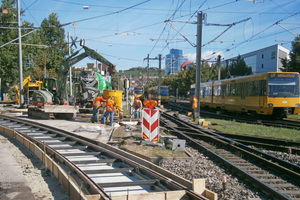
(28, 88)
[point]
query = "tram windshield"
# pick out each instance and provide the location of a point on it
(283, 85)
(164, 91)
(138, 90)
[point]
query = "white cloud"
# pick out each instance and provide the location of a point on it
(211, 55)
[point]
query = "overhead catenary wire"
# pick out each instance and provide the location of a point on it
(170, 34)
(112, 13)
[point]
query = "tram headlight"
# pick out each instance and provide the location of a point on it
(297, 105)
(270, 105)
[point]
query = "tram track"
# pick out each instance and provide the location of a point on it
(98, 169)
(184, 107)
(276, 177)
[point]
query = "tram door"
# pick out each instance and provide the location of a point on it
(243, 95)
(262, 93)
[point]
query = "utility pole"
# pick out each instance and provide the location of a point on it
(20, 56)
(159, 79)
(70, 71)
(219, 67)
(198, 60)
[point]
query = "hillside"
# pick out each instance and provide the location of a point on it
(138, 71)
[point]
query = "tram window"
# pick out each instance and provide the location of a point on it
(232, 90)
(223, 91)
(283, 85)
(217, 90)
(263, 88)
(238, 89)
(227, 90)
(255, 90)
(208, 91)
(249, 88)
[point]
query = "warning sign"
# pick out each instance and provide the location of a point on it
(150, 126)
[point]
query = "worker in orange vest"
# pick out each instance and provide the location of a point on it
(138, 108)
(194, 107)
(96, 105)
(110, 107)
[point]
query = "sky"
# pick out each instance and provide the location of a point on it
(125, 32)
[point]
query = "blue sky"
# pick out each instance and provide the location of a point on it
(125, 32)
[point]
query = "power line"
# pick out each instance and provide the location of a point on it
(112, 13)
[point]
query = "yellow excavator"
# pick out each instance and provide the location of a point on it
(29, 87)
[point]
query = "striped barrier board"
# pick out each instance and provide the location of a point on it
(150, 124)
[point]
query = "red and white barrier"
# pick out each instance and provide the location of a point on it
(150, 124)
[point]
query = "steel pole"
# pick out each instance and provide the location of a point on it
(159, 79)
(20, 56)
(198, 61)
(70, 71)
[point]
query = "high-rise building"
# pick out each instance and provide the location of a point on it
(174, 61)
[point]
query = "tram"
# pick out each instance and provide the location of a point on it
(139, 91)
(273, 94)
(164, 93)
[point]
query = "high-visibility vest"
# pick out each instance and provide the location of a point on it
(138, 104)
(195, 103)
(110, 105)
(97, 102)
(131, 98)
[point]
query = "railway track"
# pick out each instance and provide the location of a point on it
(90, 169)
(278, 178)
(184, 107)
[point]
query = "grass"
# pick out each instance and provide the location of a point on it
(254, 130)
(297, 117)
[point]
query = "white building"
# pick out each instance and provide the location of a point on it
(264, 60)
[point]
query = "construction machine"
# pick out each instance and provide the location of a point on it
(53, 99)
(88, 85)
(29, 87)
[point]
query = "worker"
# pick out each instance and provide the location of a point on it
(71, 100)
(194, 107)
(131, 101)
(96, 105)
(138, 108)
(110, 107)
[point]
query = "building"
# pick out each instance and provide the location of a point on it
(264, 60)
(174, 61)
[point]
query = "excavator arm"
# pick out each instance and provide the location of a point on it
(68, 62)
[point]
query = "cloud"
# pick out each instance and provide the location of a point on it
(207, 55)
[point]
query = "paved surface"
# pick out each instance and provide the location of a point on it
(13, 184)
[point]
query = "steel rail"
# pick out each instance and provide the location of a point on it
(292, 169)
(263, 185)
(93, 146)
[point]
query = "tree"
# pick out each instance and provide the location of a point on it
(52, 34)
(294, 64)
(239, 67)
(9, 54)
(208, 72)
(116, 82)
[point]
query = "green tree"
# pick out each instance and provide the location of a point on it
(116, 82)
(239, 68)
(9, 54)
(293, 65)
(208, 72)
(52, 34)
